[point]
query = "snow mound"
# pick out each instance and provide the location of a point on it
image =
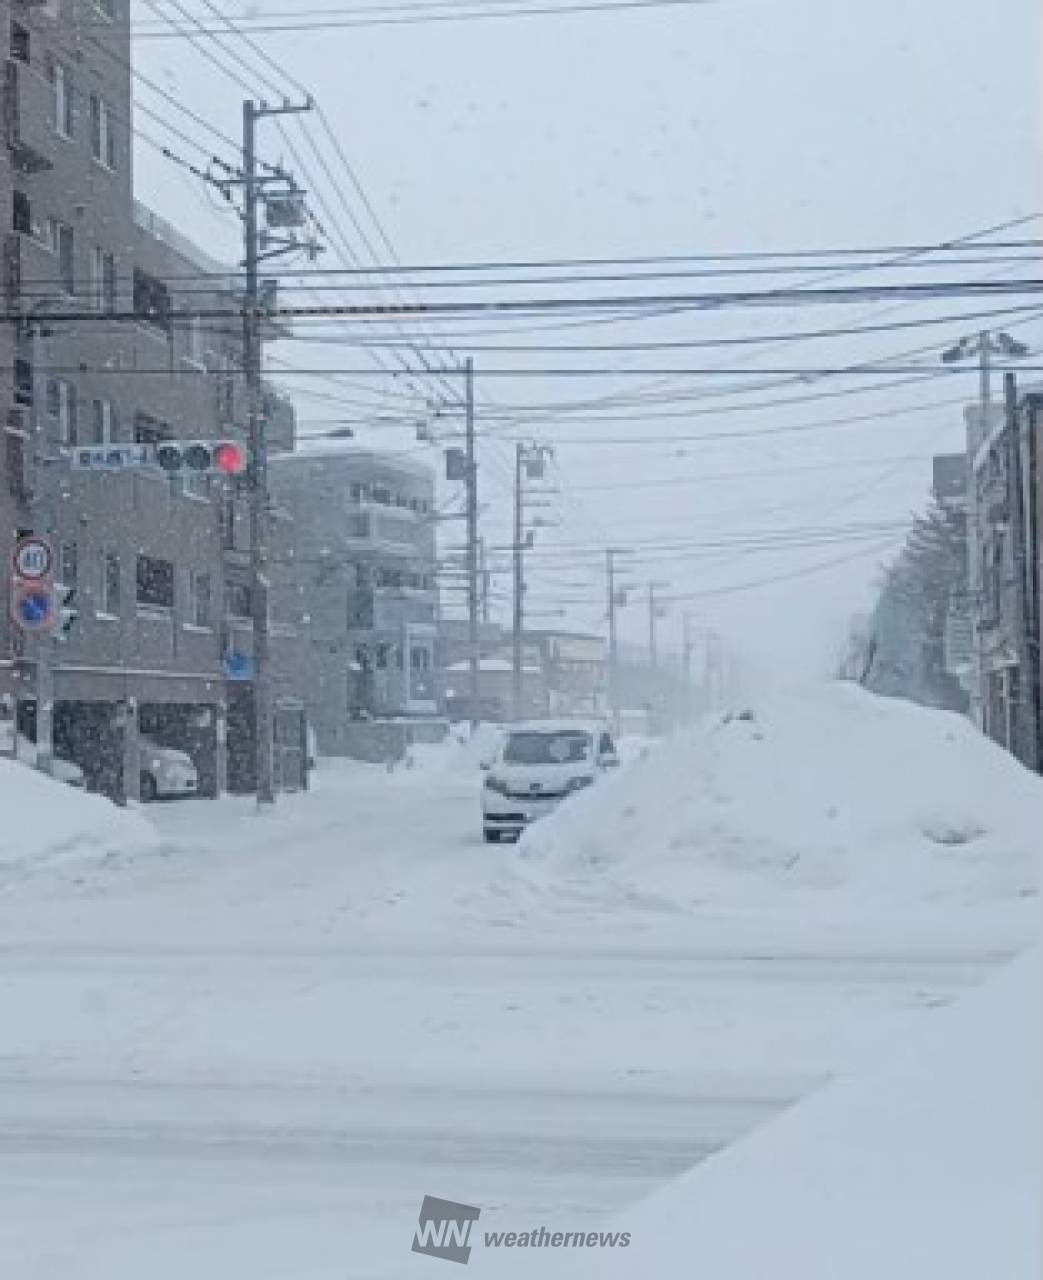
(461, 753)
(44, 820)
(924, 1164)
(831, 788)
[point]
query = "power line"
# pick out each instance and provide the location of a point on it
(422, 14)
(521, 275)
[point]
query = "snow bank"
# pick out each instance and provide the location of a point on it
(44, 820)
(461, 753)
(927, 1165)
(829, 789)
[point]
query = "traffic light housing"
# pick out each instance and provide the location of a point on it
(202, 457)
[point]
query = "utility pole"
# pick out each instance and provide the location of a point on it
(653, 615)
(982, 346)
(486, 579)
(528, 462)
(473, 640)
(519, 581)
(614, 602)
(1024, 711)
(255, 192)
(687, 647)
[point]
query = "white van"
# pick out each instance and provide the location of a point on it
(537, 765)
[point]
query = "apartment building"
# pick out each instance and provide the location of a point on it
(161, 646)
(364, 545)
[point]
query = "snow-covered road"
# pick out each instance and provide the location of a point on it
(253, 1053)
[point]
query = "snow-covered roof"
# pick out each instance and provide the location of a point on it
(495, 665)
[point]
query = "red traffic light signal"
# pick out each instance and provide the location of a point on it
(230, 458)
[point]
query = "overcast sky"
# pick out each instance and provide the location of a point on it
(738, 125)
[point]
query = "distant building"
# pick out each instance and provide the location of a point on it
(363, 586)
(563, 674)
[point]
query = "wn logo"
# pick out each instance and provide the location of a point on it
(445, 1229)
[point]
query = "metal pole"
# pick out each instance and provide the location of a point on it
(1032, 622)
(985, 376)
(519, 581)
(613, 641)
(485, 575)
(258, 452)
(473, 643)
(46, 517)
(974, 539)
(1026, 729)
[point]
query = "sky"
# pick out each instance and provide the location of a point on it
(734, 126)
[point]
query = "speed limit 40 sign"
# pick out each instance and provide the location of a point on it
(33, 559)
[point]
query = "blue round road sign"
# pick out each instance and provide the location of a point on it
(34, 607)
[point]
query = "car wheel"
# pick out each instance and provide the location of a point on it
(148, 788)
(492, 836)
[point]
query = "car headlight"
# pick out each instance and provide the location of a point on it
(497, 785)
(577, 784)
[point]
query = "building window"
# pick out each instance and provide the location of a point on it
(63, 95)
(102, 422)
(22, 215)
(69, 564)
(224, 387)
(23, 382)
(196, 347)
(61, 407)
(19, 43)
(151, 300)
(60, 240)
(358, 526)
(103, 280)
(103, 140)
(383, 656)
(107, 8)
(199, 597)
(382, 494)
(110, 584)
(238, 600)
(155, 583)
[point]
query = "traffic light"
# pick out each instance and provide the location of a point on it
(202, 457)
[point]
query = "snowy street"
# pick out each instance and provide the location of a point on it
(269, 1039)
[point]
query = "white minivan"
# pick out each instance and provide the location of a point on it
(536, 766)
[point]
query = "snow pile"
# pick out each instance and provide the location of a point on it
(461, 753)
(831, 788)
(925, 1165)
(44, 820)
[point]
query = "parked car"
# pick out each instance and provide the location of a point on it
(166, 772)
(27, 752)
(536, 766)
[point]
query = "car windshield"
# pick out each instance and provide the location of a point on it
(540, 747)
